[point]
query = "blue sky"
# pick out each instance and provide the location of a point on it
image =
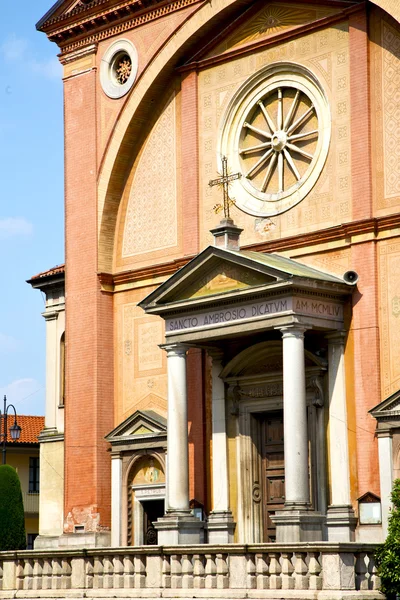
(31, 196)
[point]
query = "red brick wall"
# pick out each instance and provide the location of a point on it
(89, 326)
(190, 164)
(365, 331)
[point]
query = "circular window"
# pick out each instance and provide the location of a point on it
(276, 134)
(118, 68)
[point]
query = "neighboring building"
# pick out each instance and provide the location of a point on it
(23, 455)
(264, 349)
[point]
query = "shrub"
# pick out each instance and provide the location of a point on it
(388, 554)
(12, 521)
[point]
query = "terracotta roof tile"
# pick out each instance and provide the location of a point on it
(30, 425)
(54, 271)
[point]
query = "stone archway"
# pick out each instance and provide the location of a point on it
(145, 486)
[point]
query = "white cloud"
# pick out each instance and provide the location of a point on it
(15, 49)
(14, 226)
(8, 344)
(23, 394)
(50, 68)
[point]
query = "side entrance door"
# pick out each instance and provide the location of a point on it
(273, 469)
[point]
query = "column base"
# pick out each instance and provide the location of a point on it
(176, 528)
(88, 539)
(220, 527)
(341, 523)
(298, 525)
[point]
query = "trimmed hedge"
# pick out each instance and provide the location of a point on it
(12, 519)
(388, 554)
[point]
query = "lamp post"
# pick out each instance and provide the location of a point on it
(15, 430)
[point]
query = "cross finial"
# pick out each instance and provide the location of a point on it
(224, 182)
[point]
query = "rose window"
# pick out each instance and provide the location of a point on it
(276, 134)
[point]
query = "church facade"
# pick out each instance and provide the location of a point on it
(231, 292)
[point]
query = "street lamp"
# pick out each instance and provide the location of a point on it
(15, 430)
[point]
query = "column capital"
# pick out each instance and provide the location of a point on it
(384, 433)
(294, 330)
(337, 338)
(215, 353)
(174, 349)
(50, 315)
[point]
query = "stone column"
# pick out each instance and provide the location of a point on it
(296, 523)
(341, 521)
(385, 475)
(297, 487)
(220, 522)
(116, 500)
(178, 526)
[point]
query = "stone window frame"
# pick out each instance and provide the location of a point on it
(110, 86)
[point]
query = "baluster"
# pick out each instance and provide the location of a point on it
(176, 572)
(262, 571)
(47, 574)
(37, 574)
(108, 577)
(19, 575)
(314, 569)
(362, 575)
(98, 573)
(210, 572)
(129, 570)
(118, 571)
(375, 580)
(28, 574)
(66, 574)
(140, 570)
(301, 576)
(275, 579)
(222, 571)
(251, 580)
(166, 572)
(89, 573)
(287, 571)
(56, 574)
(187, 571)
(198, 571)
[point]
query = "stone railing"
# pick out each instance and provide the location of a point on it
(306, 571)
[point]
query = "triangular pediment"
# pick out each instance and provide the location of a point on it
(222, 277)
(264, 21)
(146, 423)
(388, 408)
(218, 274)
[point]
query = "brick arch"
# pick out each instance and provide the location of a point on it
(126, 137)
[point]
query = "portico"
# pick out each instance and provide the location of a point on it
(226, 297)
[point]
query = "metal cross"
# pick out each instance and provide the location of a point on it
(224, 181)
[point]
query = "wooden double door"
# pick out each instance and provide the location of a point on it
(273, 469)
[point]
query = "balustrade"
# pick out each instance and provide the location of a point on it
(306, 567)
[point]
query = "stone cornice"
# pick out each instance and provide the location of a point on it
(103, 19)
(362, 231)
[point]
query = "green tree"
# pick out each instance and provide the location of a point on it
(12, 521)
(388, 554)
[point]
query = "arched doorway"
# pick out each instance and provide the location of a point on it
(145, 499)
(254, 383)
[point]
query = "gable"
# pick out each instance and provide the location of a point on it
(222, 277)
(388, 408)
(141, 423)
(273, 18)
